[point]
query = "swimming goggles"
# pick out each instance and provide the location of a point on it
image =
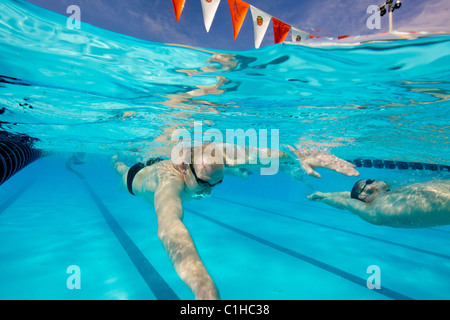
(200, 181)
(368, 181)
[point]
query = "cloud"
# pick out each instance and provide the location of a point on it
(350, 17)
(434, 15)
(156, 27)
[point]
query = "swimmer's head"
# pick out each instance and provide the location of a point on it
(367, 190)
(201, 178)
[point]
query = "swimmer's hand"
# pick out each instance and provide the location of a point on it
(316, 196)
(310, 160)
(238, 172)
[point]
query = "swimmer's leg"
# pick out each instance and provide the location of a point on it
(121, 168)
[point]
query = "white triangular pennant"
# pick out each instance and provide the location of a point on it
(299, 35)
(261, 21)
(209, 8)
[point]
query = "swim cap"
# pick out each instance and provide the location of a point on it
(357, 188)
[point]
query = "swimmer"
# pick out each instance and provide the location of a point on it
(168, 184)
(420, 205)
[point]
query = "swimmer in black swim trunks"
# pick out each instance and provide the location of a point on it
(168, 184)
(136, 168)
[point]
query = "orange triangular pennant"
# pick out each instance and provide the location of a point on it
(280, 30)
(238, 10)
(343, 37)
(178, 6)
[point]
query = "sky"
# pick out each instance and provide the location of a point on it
(154, 20)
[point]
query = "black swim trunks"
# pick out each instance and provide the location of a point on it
(136, 168)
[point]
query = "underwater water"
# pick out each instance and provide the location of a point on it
(106, 94)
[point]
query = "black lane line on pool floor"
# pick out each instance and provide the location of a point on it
(322, 265)
(14, 197)
(440, 230)
(341, 230)
(155, 282)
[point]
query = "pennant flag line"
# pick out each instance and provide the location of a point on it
(298, 35)
(238, 10)
(261, 21)
(343, 37)
(178, 6)
(209, 8)
(280, 30)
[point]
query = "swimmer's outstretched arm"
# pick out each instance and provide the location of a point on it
(337, 200)
(343, 201)
(178, 242)
(253, 158)
(310, 160)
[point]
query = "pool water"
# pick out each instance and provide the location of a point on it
(259, 239)
(103, 94)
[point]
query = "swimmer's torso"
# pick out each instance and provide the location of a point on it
(425, 204)
(149, 178)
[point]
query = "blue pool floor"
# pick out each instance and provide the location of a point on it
(259, 239)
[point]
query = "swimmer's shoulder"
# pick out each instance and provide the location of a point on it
(163, 170)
